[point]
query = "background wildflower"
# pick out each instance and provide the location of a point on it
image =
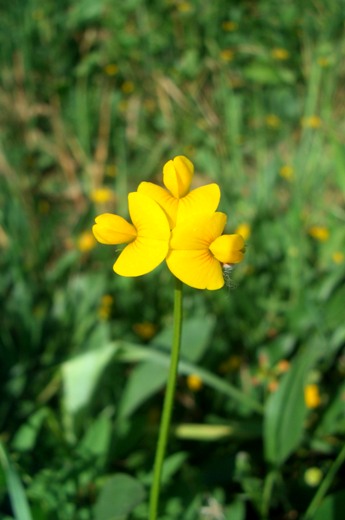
(102, 195)
(312, 396)
(320, 233)
(287, 172)
(86, 241)
(311, 122)
(280, 54)
(194, 382)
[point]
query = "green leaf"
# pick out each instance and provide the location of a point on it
(19, 503)
(145, 380)
(80, 376)
(332, 508)
(196, 336)
(119, 496)
(285, 410)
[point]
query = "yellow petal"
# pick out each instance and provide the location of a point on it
(151, 245)
(198, 232)
(177, 176)
(148, 217)
(201, 200)
(198, 268)
(228, 249)
(162, 197)
(113, 229)
(141, 256)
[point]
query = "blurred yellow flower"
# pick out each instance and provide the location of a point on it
(229, 26)
(145, 330)
(272, 121)
(320, 233)
(111, 69)
(323, 61)
(338, 257)
(283, 366)
(280, 54)
(244, 230)
(102, 195)
(110, 170)
(194, 382)
(127, 87)
(313, 476)
(86, 241)
(311, 122)
(287, 172)
(272, 385)
(105, 307)
(184, 7)
(231, 364)
(227, 55)
(312, 397)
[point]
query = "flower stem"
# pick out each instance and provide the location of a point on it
(168, 402)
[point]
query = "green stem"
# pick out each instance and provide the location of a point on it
(168, 402)
(325, 485)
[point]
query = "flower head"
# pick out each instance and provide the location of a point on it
(177, 200)
(198, 251)
(147, 238)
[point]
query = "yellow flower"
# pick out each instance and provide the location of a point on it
(111, 170)
(86, 242)
(313, 476)
(105, 307)
(272, 121)
(231, 364)
(312, 396)
(194, 382)
(229, 26)
(147, 238)
(311, 122)
(177, 200)
(227, 55)
(127, 87)
(323, 61)
(320, 233)
(243, 230)
(111, 69)
(287, 172)
(102, 195)
(280, 54)
(198, 251)
(338, 257)
(145, 330)
(184, 7)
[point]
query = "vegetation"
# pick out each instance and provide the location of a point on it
(94, 98)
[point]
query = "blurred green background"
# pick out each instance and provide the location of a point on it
(95, 97)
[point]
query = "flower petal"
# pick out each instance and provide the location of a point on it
(177, 176)
(201, 200)
(228, 249)
(198, 232)
(141, 256)
(113, 229)
(196, 268)
(148, 217)
(162, 197)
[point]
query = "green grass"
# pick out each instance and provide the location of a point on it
(102, 94)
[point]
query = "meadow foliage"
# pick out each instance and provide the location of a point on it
(95, 97)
